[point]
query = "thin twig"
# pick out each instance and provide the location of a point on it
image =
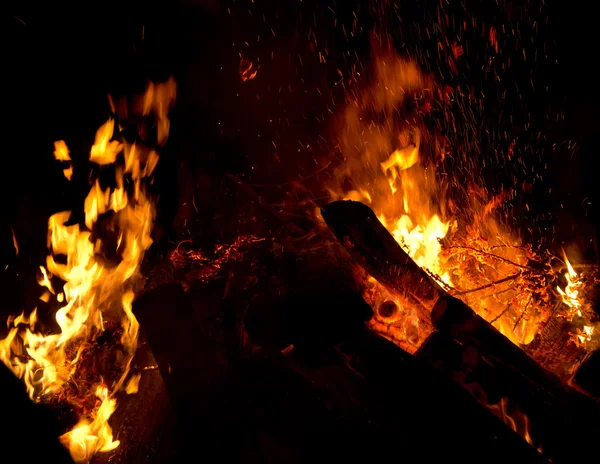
(523, 312)
(495, 294)
(491, 284)
(491, 255)
(501, 314)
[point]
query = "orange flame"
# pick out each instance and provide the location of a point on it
(93, 291)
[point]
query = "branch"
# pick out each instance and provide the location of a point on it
(501, 314)
(491, 284)
(523, 312)
(492, 255)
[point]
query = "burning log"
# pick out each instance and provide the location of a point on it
(454, 318)
(557, 415)
(478, 347)
(376, 251)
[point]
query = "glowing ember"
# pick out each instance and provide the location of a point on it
(248, 70)
(96, 293)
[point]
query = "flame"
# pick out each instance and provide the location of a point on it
(392, 162)
(15, 243)
(570, 294)
(96, 290)
(61, 153)
(87, 438)
(516, 419)
(572, 299)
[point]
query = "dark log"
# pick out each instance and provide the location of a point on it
(454, 318)
(419, 397)
(588, 375)
(143, 422)
(377, 251)
(472, 351)
(366, 400)
(480, 346)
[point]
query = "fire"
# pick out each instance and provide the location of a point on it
(572, 299)
(570, 294)
(516, 420)
(97, 292)
(394, 162)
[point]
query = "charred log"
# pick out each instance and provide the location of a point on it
(472, 345)
(474, 353)
(377, 252)
(588, 375)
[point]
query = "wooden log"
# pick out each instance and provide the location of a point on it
(557, 418)
(588, 375)
(143, 422)
(484, 356)
(518, 377)
(454, 318)
(377, 252)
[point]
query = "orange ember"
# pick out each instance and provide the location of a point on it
(94, 294)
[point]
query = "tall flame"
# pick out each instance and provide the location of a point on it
(96, 291)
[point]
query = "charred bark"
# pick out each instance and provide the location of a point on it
(473, 352)
(377, 252)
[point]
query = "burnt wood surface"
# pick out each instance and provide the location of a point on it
(378, 252)
(487, 358)
(588, 375)
(472, 351)
(143, 422)
(357, 397)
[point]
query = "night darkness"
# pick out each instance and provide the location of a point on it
(60, 61)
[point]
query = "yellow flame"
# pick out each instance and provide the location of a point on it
(517, 421)
(105, 150)
(570, 294)
(571, 297)
(93, 290)
(87, 438)
(61, 153)
(133, 385)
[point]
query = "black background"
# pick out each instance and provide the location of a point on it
(60, 61)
